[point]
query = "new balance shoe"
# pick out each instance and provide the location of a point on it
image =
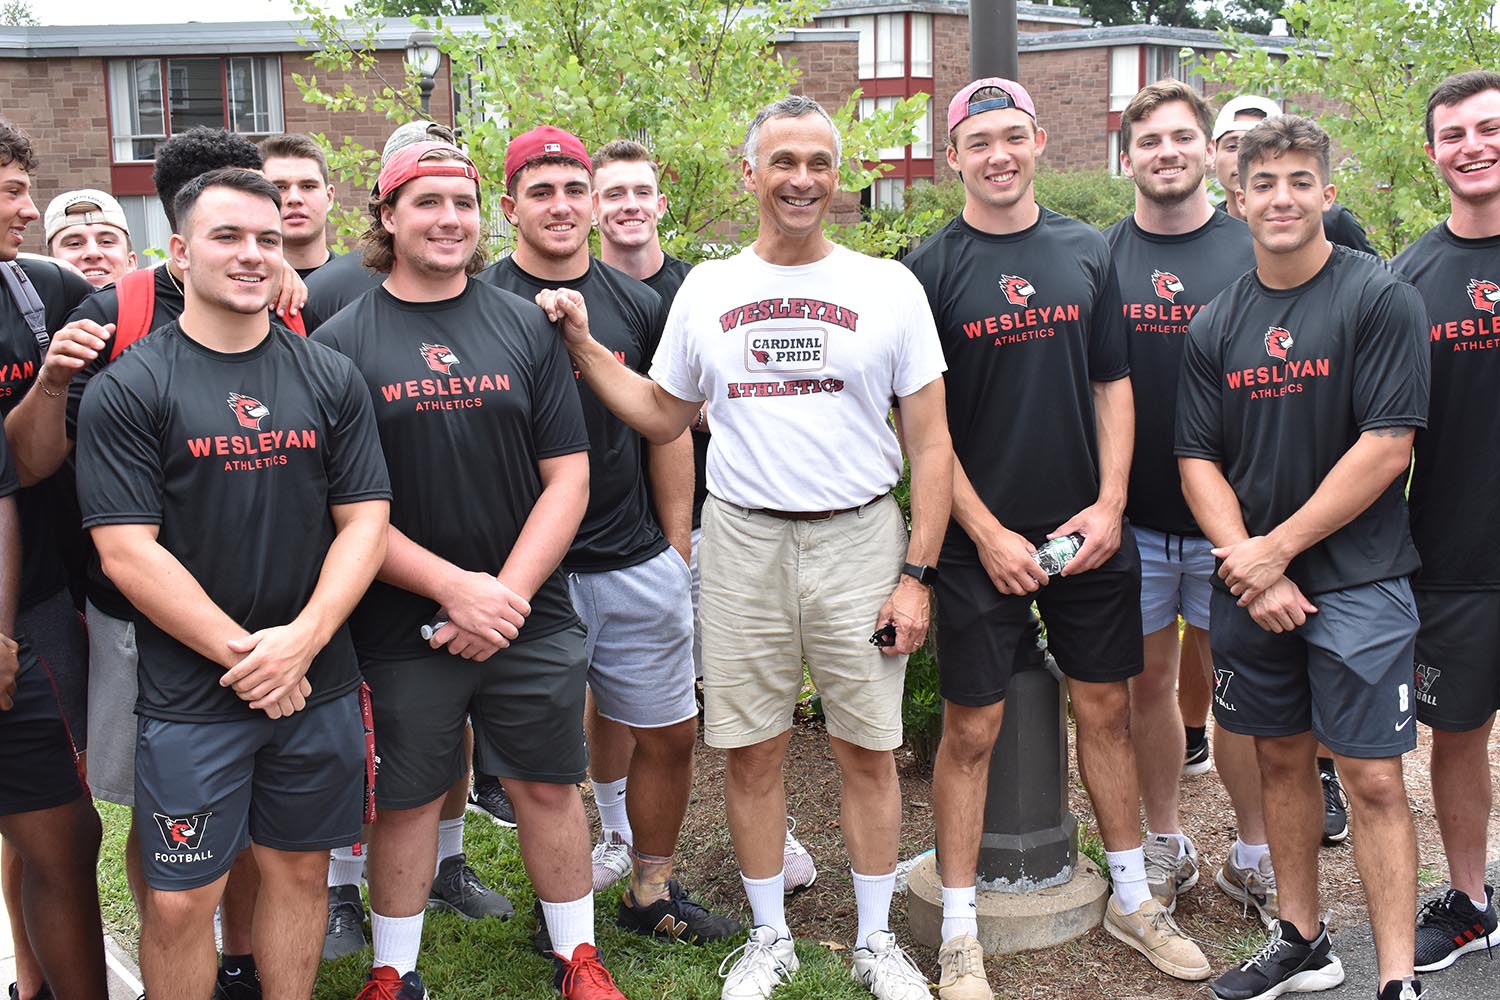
(611, 861)
(1251, 887)
(1450, 927)
(760, 965)
(676, 918)
(584, 977)
(1335, 809)
(488, 798)
(961, 970)
(1151, 931)
(884, 969)
(1199, 758)
(346, 922)
(1282, 966)
(797, 865)
(1170, 869)
(383, 984)
(1399, 989)
(458, 889)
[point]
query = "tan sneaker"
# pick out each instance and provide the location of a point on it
(1151, 931)
(962, 977)
(1251, 887)
(1169, 873)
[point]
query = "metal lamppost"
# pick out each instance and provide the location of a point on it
(425, 58)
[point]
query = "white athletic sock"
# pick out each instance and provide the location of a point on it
(450, 840)
(872, 900)
(1128, 869)
(1482, 903)
(345, 867)
(609, 796)
(960, 913)
(397, 941)
(768, 901)
(570, 924)
(1249, 855)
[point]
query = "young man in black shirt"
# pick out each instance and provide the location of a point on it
(231, 475)
(1301, 386)
(628, 568)
(298, 168)
(1029, 312)
(469, 379)
(1456, 266)
(50, 829)
(1171, 257)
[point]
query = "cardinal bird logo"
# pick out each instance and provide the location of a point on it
(761, 357)
(1018, 290)
(1278, 340)
(1166, 284)
(1483, 294)
(439, 358)
(248, 410)
(182, 834)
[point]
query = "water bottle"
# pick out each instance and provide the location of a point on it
(1057, 553)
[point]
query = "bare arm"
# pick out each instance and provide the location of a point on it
(922, 423)
(37, 427)
(654, 413)
(1101, 521)
(1355, 481)
(672, 470)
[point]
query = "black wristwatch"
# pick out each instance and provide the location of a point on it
(925, 575)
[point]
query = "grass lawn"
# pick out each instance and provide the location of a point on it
(490, 960)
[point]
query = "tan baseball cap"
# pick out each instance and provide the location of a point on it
(81, 208)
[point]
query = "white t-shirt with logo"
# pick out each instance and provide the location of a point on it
(799, 366)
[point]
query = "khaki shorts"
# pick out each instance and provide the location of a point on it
(776, 592)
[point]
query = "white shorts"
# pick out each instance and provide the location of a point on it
(1175, 575)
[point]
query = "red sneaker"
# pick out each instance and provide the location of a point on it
(584, 977)
(384, 984)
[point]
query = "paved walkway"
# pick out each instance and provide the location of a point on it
(124, 977)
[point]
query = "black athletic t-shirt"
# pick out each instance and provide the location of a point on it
(470, 393)
(1027, 320)
(620, 528)
(43, 507)
(1164, 281)
(1277, 384)
(1339, 226)
(307, 272)
(237, 457)
(665, 282)
(1457, 474)
(336, 284)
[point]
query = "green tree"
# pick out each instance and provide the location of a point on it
(1250, 16)
(1376, 60)
(685, 76)
(17, 12)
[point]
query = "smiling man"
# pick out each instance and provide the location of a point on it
(1301, 386)
(87, 228)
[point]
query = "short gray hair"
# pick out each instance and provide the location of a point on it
(791, 106)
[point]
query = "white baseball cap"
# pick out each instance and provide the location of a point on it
(103, 208)
(1239, 105)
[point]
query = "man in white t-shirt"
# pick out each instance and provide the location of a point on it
(795, 351)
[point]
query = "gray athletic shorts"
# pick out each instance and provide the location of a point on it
(112, 694)
(58, 640)
(1458, 658)
(1346, 674)
(526, 703)
(205, 790)
(640, 640)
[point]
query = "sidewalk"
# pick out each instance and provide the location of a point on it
(124, 977)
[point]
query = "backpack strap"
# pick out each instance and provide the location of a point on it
(24, 295)
(136, 293)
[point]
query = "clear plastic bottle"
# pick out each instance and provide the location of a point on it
(1057, 553)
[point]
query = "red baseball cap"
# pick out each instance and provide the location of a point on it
(1015, 96)
(410, 161)
(545, 140)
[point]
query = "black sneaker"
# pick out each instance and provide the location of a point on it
(346, 922)
(1397, 989)
(457, 889)
(676, 918)
(1199, 759)
(45, 993)
(1335, 809)
(541, 938)
(1450, 927)
(237, 984)
(488, 798)
(1282, 966)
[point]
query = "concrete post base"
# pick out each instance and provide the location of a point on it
(1011, 922)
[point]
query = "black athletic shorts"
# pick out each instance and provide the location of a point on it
(1458, 658)
(205, 790)
(38, 768)
(1346, 674)
(526, 703)
(1093, 625)
(56, 631)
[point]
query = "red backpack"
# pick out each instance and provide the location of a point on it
(136, 293)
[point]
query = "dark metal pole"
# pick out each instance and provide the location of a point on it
(992, 39)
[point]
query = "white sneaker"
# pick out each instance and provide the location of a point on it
(765, 961)
(611, 858)
(887, 971)
(797, 864)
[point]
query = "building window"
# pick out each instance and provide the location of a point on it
(1163, 62)
(890, 45)
(1124, 75)
(1114, 153)
(890, 193)
(865, 25)
(148, 224)
(921, 45)
(151, 99)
